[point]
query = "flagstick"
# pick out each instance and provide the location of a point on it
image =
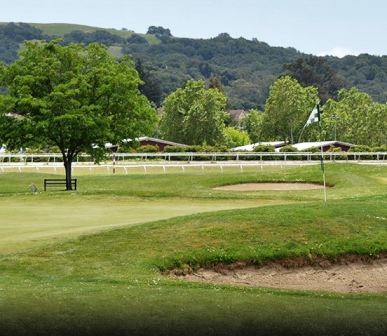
(324, 179)
(315, 114)
(322, 156)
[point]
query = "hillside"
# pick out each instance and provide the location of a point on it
(245, 68)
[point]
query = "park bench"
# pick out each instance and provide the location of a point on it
(56, 182)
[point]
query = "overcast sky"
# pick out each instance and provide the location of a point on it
(335, 27)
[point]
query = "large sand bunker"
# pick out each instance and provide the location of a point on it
(269, 186)
(345, 277)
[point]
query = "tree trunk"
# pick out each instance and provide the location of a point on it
(67, 164)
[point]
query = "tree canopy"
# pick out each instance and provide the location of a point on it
(252, 124)
(287, 109)
(194, 115)
(315, 71)
(72, 97)
(354, 117)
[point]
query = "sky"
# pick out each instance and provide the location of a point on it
(334, 27)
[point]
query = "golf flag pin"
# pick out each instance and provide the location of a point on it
(314, 116)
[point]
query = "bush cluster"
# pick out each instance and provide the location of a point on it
(264, 148)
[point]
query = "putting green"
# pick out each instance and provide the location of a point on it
(28, 223)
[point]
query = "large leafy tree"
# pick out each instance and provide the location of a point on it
(252, 124)
(315, 71)
(73, 97)
(194, 115)
(150, 87)
(287, 109)
(355, 118)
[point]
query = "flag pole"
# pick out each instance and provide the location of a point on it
(322, 156)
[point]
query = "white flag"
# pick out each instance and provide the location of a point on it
(314, 117)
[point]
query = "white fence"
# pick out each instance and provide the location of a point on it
(180, 162)
(191, 157)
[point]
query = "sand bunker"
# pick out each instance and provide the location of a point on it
(359, 276)
(269, 186)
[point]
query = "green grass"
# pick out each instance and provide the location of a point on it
(60, 29)
(110, 282)
(26, 223)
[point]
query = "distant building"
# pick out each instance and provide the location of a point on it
(237, 115)
(158, 142)
(326, 145)
(250, 148)
(303, 146)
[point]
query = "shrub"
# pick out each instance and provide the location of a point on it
(148, 149)
(359, 149)
(54, 149)
(379, 148)
(235, 137)
(333, 149)
(175, 149)
(264, 148)
(288, 149)
(37, 151)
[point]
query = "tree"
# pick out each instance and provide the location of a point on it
(355, 118)
(252, 124)
(215, 83)
(194, 115)
(236, 138)
(287, 109)
(315, 71)
(150, 86)
(73, 97)
(159, 31)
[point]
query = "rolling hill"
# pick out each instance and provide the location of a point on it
(245, 68)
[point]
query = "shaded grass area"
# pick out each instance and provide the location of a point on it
(110, 283)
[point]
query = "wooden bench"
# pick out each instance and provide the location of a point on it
(56, 182)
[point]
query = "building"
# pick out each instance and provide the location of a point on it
(161, 144)
(303, 146)
(250, 148)
(326, 145)
(237, 115)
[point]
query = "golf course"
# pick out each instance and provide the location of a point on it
(115, 256)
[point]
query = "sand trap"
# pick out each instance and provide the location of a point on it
(269, 186)
(359, 276)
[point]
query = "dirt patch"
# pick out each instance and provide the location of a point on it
(348, 275)
(269, 186)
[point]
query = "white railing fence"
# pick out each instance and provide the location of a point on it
(191, 157)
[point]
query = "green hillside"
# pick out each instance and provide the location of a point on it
(60, 29)
(245, 68)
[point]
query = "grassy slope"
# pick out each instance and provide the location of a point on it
(28, 223)
(110, 282)
(60, 29)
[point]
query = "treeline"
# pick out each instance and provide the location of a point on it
(245, 68)
(196, 115)
(12, 35)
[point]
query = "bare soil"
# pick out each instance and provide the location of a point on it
(269, 186)
(351, 274)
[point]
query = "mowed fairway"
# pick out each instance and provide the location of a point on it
(27, 223)
(67, 269)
